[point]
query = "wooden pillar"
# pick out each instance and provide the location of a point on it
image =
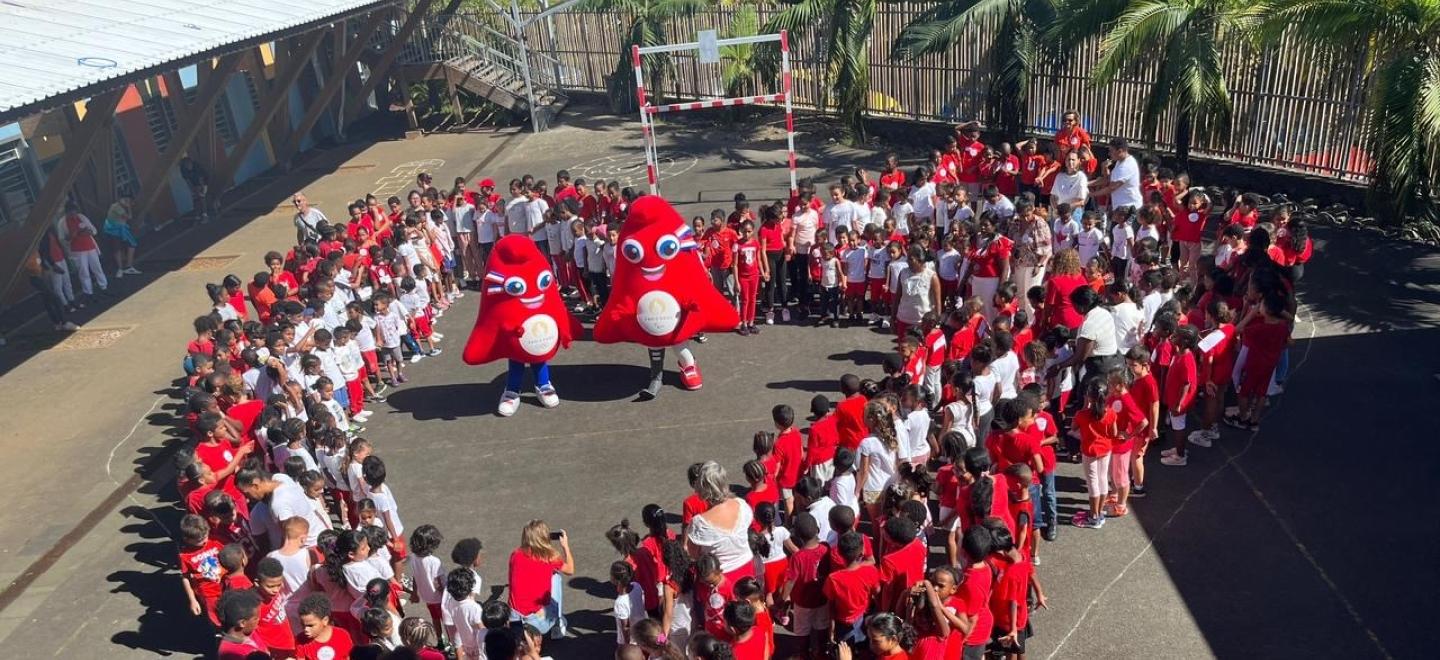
(99, 117)
(272, 98)
(332, 85)
(190, 120)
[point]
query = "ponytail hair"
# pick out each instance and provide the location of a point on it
(623, 539)
(654, 518)
(982, 490)
(216, 293)
(886, 624)
(878, 421)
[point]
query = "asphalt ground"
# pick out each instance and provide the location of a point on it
(1310, 538)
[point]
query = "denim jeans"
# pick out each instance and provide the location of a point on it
(410, 343)
(1049, 512)
(547, 618)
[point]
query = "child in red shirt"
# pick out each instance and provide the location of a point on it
(904, 567)
(1099, 430)
(712, 592)
(1146, 394)
(974, 594)
(762, 488)
(748, 269)
(850, 589)
(934, 611)
(742, 631)
(1264, 334)
(239, 613)
(1132, 424)
(889, 636)
(1182, 379)
(322, 641)
(1217, 359)
(200, 570)
(748, 591)
(805, 582)
(274, 628)
(789, 449)
(1008, 600)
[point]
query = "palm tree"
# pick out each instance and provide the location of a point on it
(1395, 43)
(844, 41)
(738, 63)
(646, 27)
(1180, 39)
(1014, 52)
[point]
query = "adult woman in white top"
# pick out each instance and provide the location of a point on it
(878, 456)
(803, 227)
(919, 291)
(1071, 185)
(723, 530)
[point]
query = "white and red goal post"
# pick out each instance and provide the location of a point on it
(648, 111)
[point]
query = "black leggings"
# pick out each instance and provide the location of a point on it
(800, 277)
(775, 292)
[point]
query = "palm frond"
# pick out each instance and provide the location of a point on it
(1331, 22)
(940, 27)
(1137, 34)
(1077, 20)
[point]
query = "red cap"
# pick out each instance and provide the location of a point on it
(487, 183)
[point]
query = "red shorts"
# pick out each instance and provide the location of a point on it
(435, 614)
(422, 327)
(372, 363)
(855, 290)
(775, 575)
(877, 291)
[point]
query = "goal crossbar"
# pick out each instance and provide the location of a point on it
(647, 110)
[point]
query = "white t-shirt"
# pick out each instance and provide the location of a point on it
(984, 392)
(1128, 172)
(820, 510)
(1063, 232)
(855, 263)
(882, 464)
(1099, 328)
(902, 211)
(1120, 237)
(879, 261)
(1088, 243)
(777, 537)
(922, 200)
(842, 491)
(517, 216)
(1003, 207)
(1006, 368)
(535, 211)
(487, 226)
(917, 430)
(1150, 304)
(960, 420)
(731, 547)
(449, 607)
(830, 270)
(289, 501)
(429, 574)
(392, 325)
(1069, 188)
(840, 215)
(461, 219)
(1127, 325)
(365, 339)
(629, 607)
(465, 616)
(806, 223)
(948, 263)
(385, 505)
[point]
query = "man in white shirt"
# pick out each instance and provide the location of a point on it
(286, 499)
(1123, 186)
(307, 219)
(536, 211)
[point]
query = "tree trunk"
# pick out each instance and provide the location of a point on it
(1184, 132)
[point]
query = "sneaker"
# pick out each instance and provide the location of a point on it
(690, 377)
(1168, 451)
(433, 352)
(362, 415)
(119, 274)
(416, 358)
(754, 329)
(381, 390)
(885, 324)
(401, 379)
(1234, 421)
(785, 314)
(132, 271)
(1092, 522)
(1035, 560)
(435, 336)
(1174, 460)
(509, 403)
(355, 429)
(701, 338)
(1137, 490)
(769, 318)
(1200, 439)
(743, 331)
(1050, 533)
(69, 326)
(548, 397)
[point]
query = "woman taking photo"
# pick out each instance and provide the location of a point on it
(723, 529)
(536, 589)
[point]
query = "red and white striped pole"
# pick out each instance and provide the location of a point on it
(645, 127)
(789, 113)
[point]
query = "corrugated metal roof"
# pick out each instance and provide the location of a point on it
(49, 48)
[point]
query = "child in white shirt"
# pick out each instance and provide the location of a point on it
(629, 608)
(1090, 240)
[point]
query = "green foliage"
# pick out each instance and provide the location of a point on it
(842, 31)
(646, 28)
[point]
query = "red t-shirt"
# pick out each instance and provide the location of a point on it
(789, 448)
(246, 414)
(1246, 220)
(974, 593)
(719, 247)
(946, 483)
(1146, 393)
(274, 628)
(1128, 418)
(896, 178)
(1043, 428)
(772, 235)
(1182, 372)
(999, 508)
(530, 581)
(1220, 358)
(754, 647)
(902, 569)
(692, 507)
(849, 592)
(1188, 225)
(201, 567)
(1030, 168)
(1072, 137)
(1097, 434)
(824, 438)
(1007, 448)
(748, 258)
(650, 569)
(837, 562)
(850, 421)
(970, 157)
(756, 497)
(804, 570)
(987, 258)
(713, 599)
(1014, 586)
(241, 650)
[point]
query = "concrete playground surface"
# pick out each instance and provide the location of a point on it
(1291, 542)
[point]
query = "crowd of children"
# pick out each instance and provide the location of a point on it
(1036, 321)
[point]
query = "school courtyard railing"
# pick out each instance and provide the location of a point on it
(1296, 108)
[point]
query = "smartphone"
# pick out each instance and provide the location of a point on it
(555, 535)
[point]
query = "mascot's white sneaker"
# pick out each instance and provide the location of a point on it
(509, 403)
(548, 397)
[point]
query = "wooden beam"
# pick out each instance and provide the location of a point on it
(99, 117)
(189, 123)
(273, 98)
(382, 67)
(333, 83)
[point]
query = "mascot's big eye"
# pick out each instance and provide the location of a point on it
(544, 280)
(667, 247)
(515, 286)
(632, 250)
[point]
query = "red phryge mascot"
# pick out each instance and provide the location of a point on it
(522, 319)
(661, 295)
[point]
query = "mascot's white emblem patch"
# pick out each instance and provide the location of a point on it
(658, 313)
(541, 334)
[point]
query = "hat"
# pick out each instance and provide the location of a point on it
(487, 183)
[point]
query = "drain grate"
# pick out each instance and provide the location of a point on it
(195, 263)
(79, 340)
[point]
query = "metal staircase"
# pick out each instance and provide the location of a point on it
(474, 56)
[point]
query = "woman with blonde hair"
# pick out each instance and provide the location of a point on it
(536, 590)
(1065, 276)
(723, 529)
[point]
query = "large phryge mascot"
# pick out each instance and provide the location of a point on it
(522, 319)
(661, 295)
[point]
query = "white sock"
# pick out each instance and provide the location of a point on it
(683, 354)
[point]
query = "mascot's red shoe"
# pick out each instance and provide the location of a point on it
(690, 377)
